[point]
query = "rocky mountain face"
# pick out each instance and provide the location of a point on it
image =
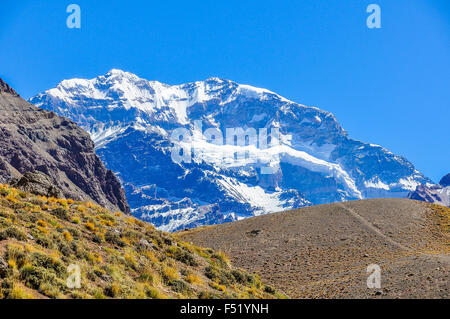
(437, 194)
(445, 181)
(5, 88)
(250, 151)
(33, 140)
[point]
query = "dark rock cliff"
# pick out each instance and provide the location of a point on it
(32, 139)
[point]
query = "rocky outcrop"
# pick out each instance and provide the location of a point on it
(36, 183)
(3, 267)
(34, 140)
(5, 88)
(436, 194)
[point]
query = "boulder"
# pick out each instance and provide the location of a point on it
(36, 183)
(3, 267)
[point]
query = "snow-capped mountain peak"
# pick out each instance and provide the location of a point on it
(120, 89)
(131, 120)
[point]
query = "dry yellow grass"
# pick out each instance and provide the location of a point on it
(118, 256)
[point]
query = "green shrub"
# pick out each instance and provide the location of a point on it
(41, 260)
(74, 232)
(13, 232)
(16, 253)
(5, 192)
(132, 234)
(179, 286)
(208, 295)
(64, 248)
(114, 239)
(61, 213)
(97, 239)
(153, 293)
(49, 289)
(220, 259)
(245, 279)
(34, 276)
(112, 290)
(214, 273)
(43, 240)
(239, 276)
(98, 294)
(269, 290)
(182, 255)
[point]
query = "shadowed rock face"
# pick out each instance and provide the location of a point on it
(437, 194)
(32, 139)
(5, 88)
(445, 181)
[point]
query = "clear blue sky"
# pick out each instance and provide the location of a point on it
(388, 86)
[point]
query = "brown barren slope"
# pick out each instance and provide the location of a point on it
(323, 251)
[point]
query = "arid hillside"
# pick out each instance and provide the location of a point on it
(43, 240)
(323, 251)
